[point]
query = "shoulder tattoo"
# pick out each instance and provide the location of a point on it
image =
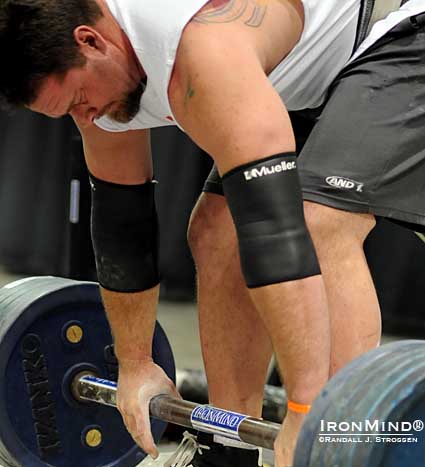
(252, 12)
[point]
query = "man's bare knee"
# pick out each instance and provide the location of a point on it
(330, 226)
(210, 226)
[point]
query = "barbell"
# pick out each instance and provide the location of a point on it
(58, 390)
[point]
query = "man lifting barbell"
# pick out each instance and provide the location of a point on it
(57, 365)
(227, 71)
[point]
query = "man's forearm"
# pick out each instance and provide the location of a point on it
(132, 319)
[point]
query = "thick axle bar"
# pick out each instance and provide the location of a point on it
(87, 387)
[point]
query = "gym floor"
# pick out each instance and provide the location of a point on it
(180, 322)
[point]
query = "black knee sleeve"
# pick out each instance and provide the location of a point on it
(265, 200)
(124, 230)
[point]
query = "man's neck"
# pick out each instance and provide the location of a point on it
(110, 28)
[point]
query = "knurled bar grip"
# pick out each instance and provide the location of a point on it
(87, 387)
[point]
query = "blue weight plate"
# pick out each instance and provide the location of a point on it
(333, 391)
(41, 426)
(359, 392)
(399, 398)
(411, 454)
(337, 401)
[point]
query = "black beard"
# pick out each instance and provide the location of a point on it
(130, 105)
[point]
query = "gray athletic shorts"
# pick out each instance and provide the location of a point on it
(366, 153)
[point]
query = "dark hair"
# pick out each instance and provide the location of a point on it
(36, 40)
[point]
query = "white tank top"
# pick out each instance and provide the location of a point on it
(154, 28)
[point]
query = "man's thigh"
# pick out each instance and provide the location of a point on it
(367, 151)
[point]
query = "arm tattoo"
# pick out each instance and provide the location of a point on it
(226, 11)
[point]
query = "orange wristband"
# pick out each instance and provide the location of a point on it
(299, 408)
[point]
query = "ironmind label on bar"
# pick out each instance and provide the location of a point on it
(217, 421)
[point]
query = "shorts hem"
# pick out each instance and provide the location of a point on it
(355, 206)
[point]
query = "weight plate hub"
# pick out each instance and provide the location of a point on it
(51, 329)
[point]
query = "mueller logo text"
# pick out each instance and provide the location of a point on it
(273, 169)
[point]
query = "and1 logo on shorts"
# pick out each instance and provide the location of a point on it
(344, 183)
